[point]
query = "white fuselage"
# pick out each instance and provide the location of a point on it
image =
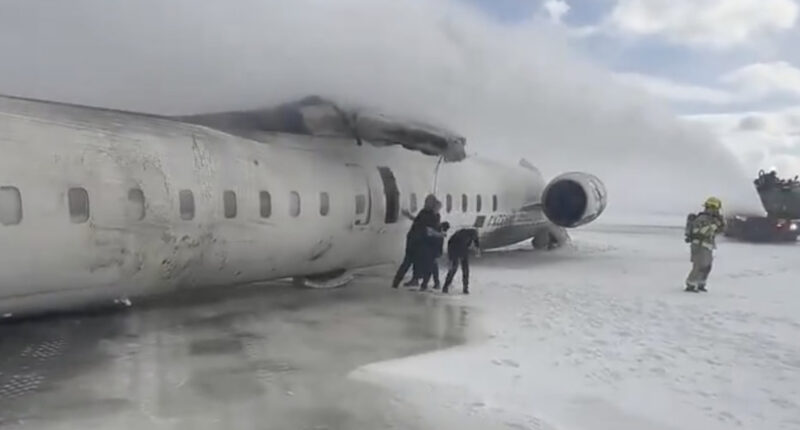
(97, 205)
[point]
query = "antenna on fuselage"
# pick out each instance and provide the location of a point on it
(436, 175)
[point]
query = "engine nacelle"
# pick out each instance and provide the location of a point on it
(574, 199)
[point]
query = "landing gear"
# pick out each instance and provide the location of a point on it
(549, 237)
(541, 242)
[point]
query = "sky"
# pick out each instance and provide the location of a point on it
(641, 94)
(730, 65)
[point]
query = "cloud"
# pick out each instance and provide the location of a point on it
(752, 83)
(715, 24)
(556, 9)
(676, 91)
(514, 90)
(765, 79)
(752, 122)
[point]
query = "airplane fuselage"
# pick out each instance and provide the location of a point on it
(97, 205)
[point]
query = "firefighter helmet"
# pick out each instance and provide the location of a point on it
(713, 203)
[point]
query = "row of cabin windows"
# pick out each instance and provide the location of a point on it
(464, 203)
(186, 204)
(78, 204)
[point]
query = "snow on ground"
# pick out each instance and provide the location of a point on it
(600, 335)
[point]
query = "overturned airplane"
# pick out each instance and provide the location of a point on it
(99, 205)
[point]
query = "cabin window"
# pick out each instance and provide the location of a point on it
(449, 203)
(10, 206)
(478, 203)
(324, 204)
(135, 204)
(412, 203)
(265, 204)
(494, 203)
(391, 193)
(186, 203)
(294, 204)
(78, 202)
(361, 204)
(464, 203)
(229, 203)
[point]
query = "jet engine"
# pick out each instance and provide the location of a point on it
(574, 199)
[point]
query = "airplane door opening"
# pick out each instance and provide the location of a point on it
(392, 194)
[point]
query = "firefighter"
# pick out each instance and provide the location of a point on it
(701, 232)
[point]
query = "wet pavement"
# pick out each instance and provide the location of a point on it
(264, 357)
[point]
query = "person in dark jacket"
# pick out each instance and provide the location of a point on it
(458, 248)
(431, 252)
(427, 220)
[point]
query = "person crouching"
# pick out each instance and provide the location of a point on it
(458, 248)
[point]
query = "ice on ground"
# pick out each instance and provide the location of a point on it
(600, 335)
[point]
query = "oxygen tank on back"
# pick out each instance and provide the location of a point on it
(687, 230)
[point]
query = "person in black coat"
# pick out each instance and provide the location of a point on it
(429, 255)
(425, 223)
(458, 248)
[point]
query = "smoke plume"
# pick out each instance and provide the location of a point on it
(515, 90)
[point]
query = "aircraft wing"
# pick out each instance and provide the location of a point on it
(320, 117)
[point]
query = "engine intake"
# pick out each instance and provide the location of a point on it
(574, 199)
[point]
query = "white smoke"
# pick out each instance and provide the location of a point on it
(514, 90)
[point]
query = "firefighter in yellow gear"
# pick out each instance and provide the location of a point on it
(701, 232)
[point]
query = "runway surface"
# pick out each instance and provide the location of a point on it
(265, 357)
(596, 335)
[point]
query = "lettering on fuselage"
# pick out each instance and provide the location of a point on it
(500, 220)
(519, 218)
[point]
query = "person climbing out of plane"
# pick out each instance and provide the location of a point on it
(429, 257)
(701, 232)
(425, 223)
(458, 248)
